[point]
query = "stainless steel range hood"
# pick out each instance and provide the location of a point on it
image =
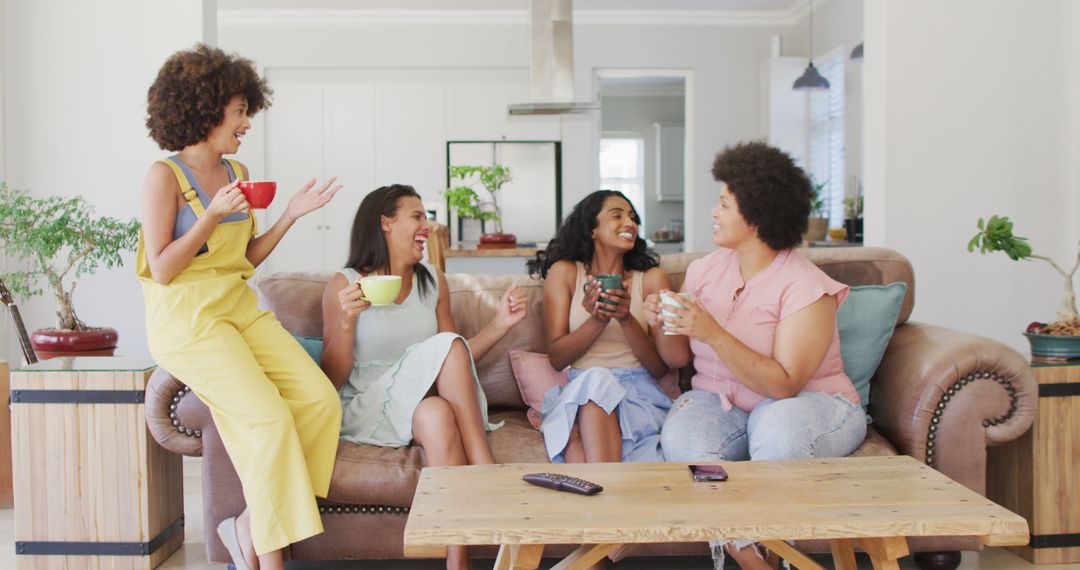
(551, 61)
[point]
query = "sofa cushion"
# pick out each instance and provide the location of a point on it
(535, 375)
(866, 323)
(312, 345)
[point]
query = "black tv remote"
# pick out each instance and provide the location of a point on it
(560, 482)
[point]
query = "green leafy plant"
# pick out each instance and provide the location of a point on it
(818, 207)
(996, 234)
(464, 199)
(60, 240)
(853, 208)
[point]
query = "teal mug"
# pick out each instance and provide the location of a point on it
(607, 282)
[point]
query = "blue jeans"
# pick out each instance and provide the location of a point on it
(812, 424)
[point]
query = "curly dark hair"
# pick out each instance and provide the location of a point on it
(573, 240)
(368, 250)
(773, 193)
(191, 91)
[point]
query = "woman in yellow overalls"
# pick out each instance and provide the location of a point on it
(278, 415)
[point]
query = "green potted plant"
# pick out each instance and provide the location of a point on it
(1061, 338)
(59, 240)
(463, 198)
(853, 216)
(818, 225)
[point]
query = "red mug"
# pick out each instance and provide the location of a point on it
(259, 193)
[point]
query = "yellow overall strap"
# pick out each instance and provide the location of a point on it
(186, 188)
(238, 170)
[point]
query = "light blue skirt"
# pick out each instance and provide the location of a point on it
(640, 402)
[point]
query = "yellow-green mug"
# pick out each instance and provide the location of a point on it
(380, 289)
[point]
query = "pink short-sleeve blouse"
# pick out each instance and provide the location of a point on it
(790, 283)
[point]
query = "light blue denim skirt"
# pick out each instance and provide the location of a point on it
(633, 392)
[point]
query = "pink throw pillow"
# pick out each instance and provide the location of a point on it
(535, 376)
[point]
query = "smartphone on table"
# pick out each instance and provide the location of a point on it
(708, 473)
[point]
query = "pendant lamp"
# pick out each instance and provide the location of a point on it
(856, 54)
(811, 80)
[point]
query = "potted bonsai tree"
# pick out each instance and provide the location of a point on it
(818, 224)
(59, 240)
(464, 199)
(1061, 338)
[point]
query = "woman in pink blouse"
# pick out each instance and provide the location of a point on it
(760, 327)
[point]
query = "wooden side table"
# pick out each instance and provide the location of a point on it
(93, 489)
(1038, 475)
(5, 439)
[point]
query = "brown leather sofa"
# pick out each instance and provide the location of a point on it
(939, 395)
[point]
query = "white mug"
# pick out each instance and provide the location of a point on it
(669, 298)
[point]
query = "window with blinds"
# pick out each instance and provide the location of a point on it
(826, 145)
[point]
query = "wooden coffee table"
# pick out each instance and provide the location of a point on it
(873, 503)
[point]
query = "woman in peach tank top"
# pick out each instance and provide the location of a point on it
(761, 329)
(613, 408)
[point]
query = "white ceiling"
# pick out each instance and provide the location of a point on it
(717, 5)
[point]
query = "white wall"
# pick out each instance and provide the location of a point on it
(839, 24)
(637, 115)
(971, 113)
(723, 60)
(76, 76)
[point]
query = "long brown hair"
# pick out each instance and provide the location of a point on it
(368, 250)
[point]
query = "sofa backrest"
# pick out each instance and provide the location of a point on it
(296, 299)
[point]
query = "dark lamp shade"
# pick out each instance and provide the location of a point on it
(811, 80)
(856, 54)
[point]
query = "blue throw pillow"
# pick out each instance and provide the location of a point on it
(312, 345)
(866, 321)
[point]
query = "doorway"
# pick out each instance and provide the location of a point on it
(643, 146)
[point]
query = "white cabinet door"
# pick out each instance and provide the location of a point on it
(294, 149)
(670, 140)
(350, 155)
(410, 130)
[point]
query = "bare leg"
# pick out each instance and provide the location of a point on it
(575, 450)
(600, 434)
(455, 384)
(243, 533)
(435, 429)
(748, 558)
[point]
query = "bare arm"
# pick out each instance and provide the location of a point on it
(511, 311)
(307, 200)
(564, 346)
(341, 307)
(639, 339)
(168, 257)
(801, 341)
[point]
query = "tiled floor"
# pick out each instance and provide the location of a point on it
(193, 554)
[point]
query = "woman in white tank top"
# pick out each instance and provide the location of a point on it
(403, 371)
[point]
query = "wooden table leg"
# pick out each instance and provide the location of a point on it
(586, 555)
(885, 551)
(843, 553)
(519, 556)
(792, 555)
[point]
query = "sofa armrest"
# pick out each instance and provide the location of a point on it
(943, 396)
(175, 416)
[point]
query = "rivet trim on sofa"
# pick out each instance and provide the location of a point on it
(362, 509)
(176, 421)
(952, 391)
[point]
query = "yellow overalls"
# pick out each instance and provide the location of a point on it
(278, 414)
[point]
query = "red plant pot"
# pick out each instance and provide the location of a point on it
(496, 241)
(50, 343)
